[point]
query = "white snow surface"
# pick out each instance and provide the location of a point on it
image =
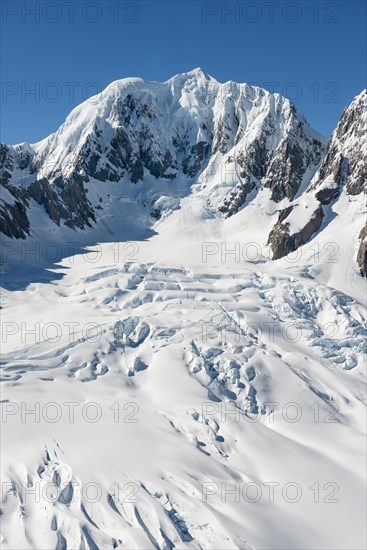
(187, 392)
(232, 379)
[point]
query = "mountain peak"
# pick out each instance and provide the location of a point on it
(198, 72)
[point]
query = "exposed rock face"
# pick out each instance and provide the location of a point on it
(344, 169)
(237, 197)
(13, 159)
(280, 168)
(362, 252)
(345, 165)
(276, 162)
(297, 152)
(282, 242)
(19, 183)
(63, 200)
(14, 200)
(14, 221)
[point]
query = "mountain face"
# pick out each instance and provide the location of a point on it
(234, 139)
(179, 128)
(343, 169)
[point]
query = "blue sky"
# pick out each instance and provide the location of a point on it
(55, 54)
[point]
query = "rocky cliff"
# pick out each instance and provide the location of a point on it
(343, 170)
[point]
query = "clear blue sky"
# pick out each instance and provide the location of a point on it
(311, 51)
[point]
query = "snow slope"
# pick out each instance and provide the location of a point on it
(164, 383)
(240, 379)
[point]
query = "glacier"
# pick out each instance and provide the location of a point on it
(183, 363)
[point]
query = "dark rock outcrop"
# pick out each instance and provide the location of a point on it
(280, 239)
(14, 199)
(14, 221)
(362, 252)
(237, 197)
(63, 200)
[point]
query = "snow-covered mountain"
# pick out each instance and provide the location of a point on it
(234, 139)
(165, 383)
(190, 126)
